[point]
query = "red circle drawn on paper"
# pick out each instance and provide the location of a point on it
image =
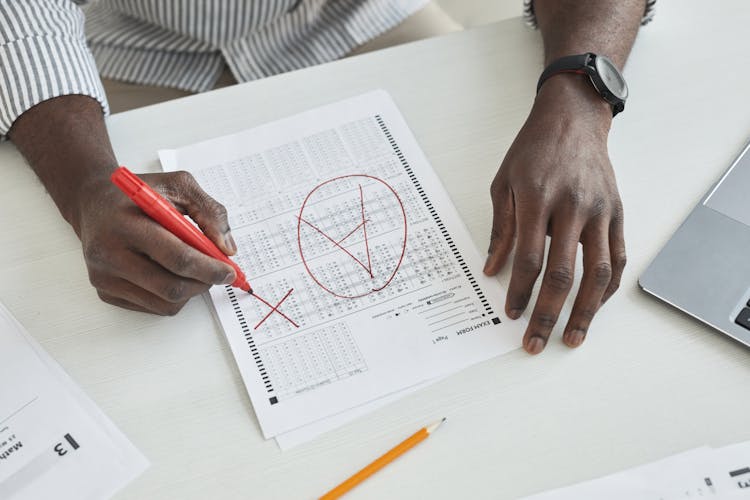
(299, 235)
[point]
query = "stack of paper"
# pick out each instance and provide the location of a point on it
(367, 284)
(700, 473)
(54, 441)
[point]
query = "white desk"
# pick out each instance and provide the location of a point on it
(648, 382)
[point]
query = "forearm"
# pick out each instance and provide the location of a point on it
(605, 27)
(66, 143)
(132, 261)
(569, 27)
(556, 179)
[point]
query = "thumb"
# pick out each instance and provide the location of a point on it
(210, 215)
(503, 230)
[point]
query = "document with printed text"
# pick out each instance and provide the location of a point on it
(720, 473)
(366, 280)
(54, 441)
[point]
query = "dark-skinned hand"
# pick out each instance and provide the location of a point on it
(557, 180)
(135, 263)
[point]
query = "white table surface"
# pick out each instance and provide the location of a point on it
(648, 382)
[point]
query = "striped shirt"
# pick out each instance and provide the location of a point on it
(46, 52)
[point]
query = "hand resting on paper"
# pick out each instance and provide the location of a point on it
(557, 180)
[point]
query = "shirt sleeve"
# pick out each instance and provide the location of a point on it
(43, 54)
(530, 17)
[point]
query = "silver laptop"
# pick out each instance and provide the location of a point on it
(704, 269)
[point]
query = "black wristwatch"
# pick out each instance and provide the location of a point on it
(604, 75)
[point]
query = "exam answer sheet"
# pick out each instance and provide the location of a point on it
(366, 280)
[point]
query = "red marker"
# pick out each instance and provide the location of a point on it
(173, 221)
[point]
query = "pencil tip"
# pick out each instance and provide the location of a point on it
(431, 428)
(250, 291)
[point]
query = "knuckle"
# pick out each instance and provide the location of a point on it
(500, 231)
(530, 264)
(560, 278)
(94, 254)
(598, 207)
(617, 206)
(618, 213)
(182, 262)
(519, 300)
(183, 177)
(586, 314)
(545, 320)
(500, 193)
(175, 292)
(539, 188)
(219, 210)
(620, 260)
(602, 274)
(576, 197)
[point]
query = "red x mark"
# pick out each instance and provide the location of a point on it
(362, 224)
(274, 309)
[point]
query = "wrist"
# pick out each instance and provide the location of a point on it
(572, 98)
(65, 141)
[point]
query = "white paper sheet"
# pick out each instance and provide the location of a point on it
(369, 280)
(54, 441)
(704, 472)
(307, 433)
(730, 470)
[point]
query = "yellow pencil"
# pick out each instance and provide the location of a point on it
(382, 461)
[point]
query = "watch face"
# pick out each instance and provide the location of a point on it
(611, 77)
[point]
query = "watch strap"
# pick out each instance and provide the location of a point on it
(578, 63)
(582, 64)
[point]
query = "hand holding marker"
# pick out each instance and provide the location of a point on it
(163, 212)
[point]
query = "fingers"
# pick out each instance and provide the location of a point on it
(210, 215)
(140, 284)
(135, 263)
(149, 276)
(597, 275)
(115, 301)
(122, 293)
(528, 260)
(179, 258)
(503, 229)
(556, 283)
(150, 269)
(133, 280)
(617, 251)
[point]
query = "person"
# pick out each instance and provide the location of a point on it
(556, 179)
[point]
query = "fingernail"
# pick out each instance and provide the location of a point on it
(535, 345)
(575, 338)
(229, 278)
(515, 313)
(229, 242)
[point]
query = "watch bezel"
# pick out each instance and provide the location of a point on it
(597, 68)
(602, 65)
